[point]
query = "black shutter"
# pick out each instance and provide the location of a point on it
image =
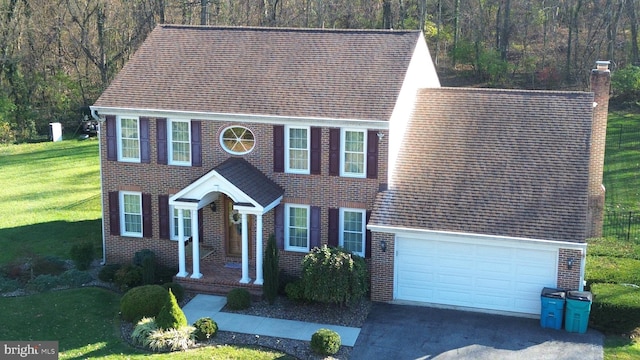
(334, 227)
(372, 154)
(314, 234)
(278, 214)
(145, 144)
(161, 140)
(316, 150)
(278, 148)
(196, 143)
(112, 138)
(334, 152)
(114, 212)
(164, 216)
(147, 216)
(368, 238)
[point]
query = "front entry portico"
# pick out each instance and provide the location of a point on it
(251, 193)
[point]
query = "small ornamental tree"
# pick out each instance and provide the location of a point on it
(271, 270)
(171, 316)
(333, 275)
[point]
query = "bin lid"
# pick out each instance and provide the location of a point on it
(553, 293)
(580, 295)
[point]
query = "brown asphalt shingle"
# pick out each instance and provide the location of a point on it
(498, 162)
(344, 74)
(250, 180)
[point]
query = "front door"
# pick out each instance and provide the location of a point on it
(233, 226)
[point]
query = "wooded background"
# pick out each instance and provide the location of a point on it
(58, 55)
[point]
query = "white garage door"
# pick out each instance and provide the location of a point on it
(502, 278)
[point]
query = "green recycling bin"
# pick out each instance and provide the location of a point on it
(577, 312)
(552, 308)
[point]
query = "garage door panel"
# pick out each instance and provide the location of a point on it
(456, 273)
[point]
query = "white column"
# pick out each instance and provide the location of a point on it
(245, 251)
(259, 251)
(182, 269)
(196, 245)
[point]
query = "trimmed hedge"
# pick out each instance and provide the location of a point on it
(325, 342)
(143, 301)
(205, 328)
(238, 299)
(615, 308)
(606, 269)
(171, 315)
(176, 289)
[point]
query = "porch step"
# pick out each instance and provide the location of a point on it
(213, 287)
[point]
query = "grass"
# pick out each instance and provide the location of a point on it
(622, 162)
(50, 200)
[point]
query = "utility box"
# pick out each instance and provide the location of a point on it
(578, 310)
(552, 308)
(55, 131)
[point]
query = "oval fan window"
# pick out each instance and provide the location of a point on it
(237, 140)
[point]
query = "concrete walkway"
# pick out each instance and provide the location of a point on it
(210, 306)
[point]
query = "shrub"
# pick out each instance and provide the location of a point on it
(47, 265)
(325, 342)
(332, 275)
(8, 285)
(608, 269)
(108, 272)
(82, 255)
(164, 274)
(142, 301)
(271, 270)
(171, 316)
(149, 270)
(176, 289)
(139, 256)
(172, 339)
(615, 308)
(75, 277)
(44, 282)
(295, 291)
(238, 299)
(142, 331)
(625, 83)
(284, 280)
(128, 276)
(205, 329)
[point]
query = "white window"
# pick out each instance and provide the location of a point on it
(179, 142)
(237, 140)
(352, 230)
(129, 139)
(186, 223)
(296, 227)
(131, 213)
(297, 143)
(353, 156)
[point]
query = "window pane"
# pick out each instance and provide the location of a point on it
(180, 141)
(298, 149)
(353, 232)
(186, 220)
(132, 213)
(129, 141)
(298, 231)
(354, 156)
(237, 139)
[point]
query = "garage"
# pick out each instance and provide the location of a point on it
(498, 275)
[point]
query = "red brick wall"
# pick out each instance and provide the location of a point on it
(382, 267)
(569, 278)
(155, 179)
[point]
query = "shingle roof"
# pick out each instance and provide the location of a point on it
(351, 74)
(498, 162)
(250, 180)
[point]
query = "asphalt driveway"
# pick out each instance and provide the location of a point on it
(416, 332)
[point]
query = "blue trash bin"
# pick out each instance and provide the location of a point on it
(552, 308)
(578, 310)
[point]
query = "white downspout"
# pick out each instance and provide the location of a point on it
(94, 114)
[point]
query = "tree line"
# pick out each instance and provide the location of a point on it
(56, 56)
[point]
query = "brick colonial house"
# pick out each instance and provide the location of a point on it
(474, 198)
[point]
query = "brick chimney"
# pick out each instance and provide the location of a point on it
(600, 86)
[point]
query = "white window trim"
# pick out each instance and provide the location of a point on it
(172, 227)
(364, 228)
(287, 148)
(287, 246)
(343, 154)
(119, 133)
(170, 142)
(222, 144)
(123, 224)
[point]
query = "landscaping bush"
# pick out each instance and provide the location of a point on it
(75, 277)
(82, 255)
(271, 270)
(128, 276)
(108, 272)
(615, 308)
(176, 289)
(625, 84)
(172, 339)
(142, 301)
(238, 299)
(332, 275)
(44, 282)
(141, 333)
(325, 342)
(171, 316)
(164, 274)
(205, 329)
(285, 279)
(295, 291)
(149, 270)
(139, 256)
(607, 269)
(47, 265)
